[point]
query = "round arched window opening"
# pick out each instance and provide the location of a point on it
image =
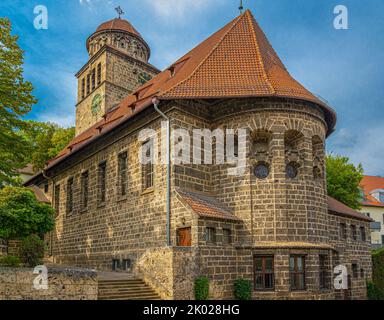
(317, 173)
(261, 170)
(292, 170)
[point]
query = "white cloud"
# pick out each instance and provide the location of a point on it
(363, 145)
(179, 9)
(65, 121)
(63, 88)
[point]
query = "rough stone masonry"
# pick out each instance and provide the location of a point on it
(274, 225)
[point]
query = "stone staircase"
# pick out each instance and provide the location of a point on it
(124, 287)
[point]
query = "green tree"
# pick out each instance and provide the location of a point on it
(44, 141)
(22, 215)
(16, 100)
(343, 179)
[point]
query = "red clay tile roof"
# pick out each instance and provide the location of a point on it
(206, 205)
(40, 196)
(118, 24)
(236, 61)
(28, 170)
(368, 184)
(340, 208)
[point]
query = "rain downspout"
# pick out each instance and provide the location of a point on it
(156, 102)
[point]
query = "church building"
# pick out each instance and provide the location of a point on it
(274, 225)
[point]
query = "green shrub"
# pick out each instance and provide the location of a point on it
(243, 289)
(373, 292)
(32, 250)
(376, 289)
(201, 288)
(10, 261)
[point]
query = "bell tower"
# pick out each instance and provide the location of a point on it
(117, 66)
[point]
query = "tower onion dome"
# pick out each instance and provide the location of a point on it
(118, 25)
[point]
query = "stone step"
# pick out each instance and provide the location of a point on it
(128, 295)
(113, 283)
(126, 299)
(122, 284)
(120, 281)
(114, 291)
(131, 297)
(125, 289)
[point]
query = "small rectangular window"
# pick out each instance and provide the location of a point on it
(227, 236)
(84, 189)
(115, 264)
(122, 168)
(83, 88)
(148, 168)
(57, 199)
(297, 272)
(88, 83)
(127, 264)
(102, 181)
(323, 271)
(353, 232)
(264, 273)
(210, 235)
(93, 79)
(355, 272)
(343, 231)
(363, 236)
(98, 73)
(70, 195)
(46, 187)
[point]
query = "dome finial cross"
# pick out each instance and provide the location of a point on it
(119, 11)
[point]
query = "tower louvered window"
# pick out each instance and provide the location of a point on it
(83, 88)
(98, 73)
(93, 79)
(88, 83)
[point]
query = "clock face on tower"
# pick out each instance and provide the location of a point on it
(96, 104)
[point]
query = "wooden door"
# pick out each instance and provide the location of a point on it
(184, 237)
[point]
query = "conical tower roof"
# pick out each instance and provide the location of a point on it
(235, 62)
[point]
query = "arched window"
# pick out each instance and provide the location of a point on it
(261, 140)
(294, 145)
(318, 157)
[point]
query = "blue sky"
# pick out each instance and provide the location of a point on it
(343, 66)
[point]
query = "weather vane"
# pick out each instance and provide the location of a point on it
(119, 11)
(241, 7)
